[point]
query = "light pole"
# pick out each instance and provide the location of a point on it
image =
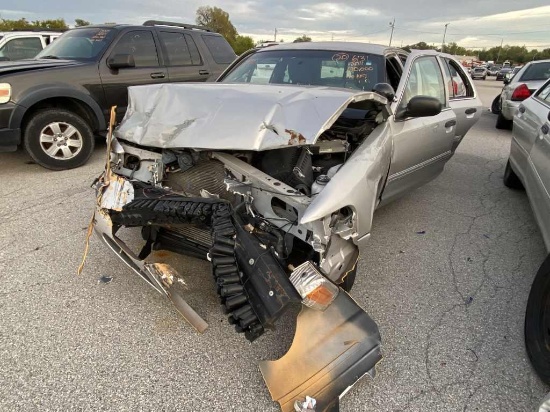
(499, 49)
(392, 25)
(444, 34)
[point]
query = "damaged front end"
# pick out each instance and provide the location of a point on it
(252, 214)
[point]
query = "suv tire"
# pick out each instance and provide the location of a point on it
(58, 139)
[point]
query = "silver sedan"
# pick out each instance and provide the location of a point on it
(529, 167)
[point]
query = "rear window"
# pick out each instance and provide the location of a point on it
(219, 48)
(310, 67)
(536, 71)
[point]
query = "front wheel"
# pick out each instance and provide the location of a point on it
(495, 106)
(510, 178)
(503, 122)
(58, 139)
(537, 323)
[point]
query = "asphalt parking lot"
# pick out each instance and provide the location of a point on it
(446, 278)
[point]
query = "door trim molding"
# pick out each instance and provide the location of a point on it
(443, 156)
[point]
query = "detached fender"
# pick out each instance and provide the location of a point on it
(358, 182)
(331, 351)
(35, 95)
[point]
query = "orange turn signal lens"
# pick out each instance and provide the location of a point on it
(317, 291)
(5, 92)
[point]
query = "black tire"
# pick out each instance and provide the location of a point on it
(40, 129)
(484, 77)
(503, 123)
(537, 323)
(510, 178)
(495, 106)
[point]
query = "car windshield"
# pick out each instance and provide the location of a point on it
(537, 71)
(310, 67)
(78, 44)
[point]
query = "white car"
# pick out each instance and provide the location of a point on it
(18, 45)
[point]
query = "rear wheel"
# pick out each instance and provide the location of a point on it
(510, 178)
(58, 139)
(495, 106)
(537, 323)
(503, 123)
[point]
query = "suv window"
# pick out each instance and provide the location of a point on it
(310, 67)
(219, 48)
(425, 80)
(544, 93)
(141, 45)
(22, 48)
(193, 50)
(177, 50)
(79, 44)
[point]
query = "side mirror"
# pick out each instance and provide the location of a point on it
(506, 79)
(121, 61)
(384, 89)
(421, 106)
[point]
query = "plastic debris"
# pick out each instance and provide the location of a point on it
(305, 406)
(421, 232)
(469, 300)
(105, 279)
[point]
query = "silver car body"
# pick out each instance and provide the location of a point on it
(201, 143)
(523, 76)
(530, 154)
(479, 72)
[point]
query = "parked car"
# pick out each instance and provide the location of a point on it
(18, 45)
(276, 184)
(479, 72)
(55, 103)
(502, 72)
(528, 167)
(493, 70)
(519, 87)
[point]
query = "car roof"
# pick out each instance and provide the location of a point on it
(354, 47)
(30, 32)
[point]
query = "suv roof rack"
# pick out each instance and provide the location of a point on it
(170, 23)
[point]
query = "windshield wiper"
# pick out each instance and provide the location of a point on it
(50, 56)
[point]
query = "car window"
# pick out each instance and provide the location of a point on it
(459, 87)
(177, 51)
(536, 71)
(394, 71)
(219, 48)
(79, 44)
(193, 50)
(544, 93)
(310, 67)
(22, 48)
(141, 45)
(425, 79)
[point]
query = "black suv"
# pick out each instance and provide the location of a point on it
(55, 103)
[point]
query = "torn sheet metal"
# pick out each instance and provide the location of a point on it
(331, 351)
(233, 116)
(117, 192)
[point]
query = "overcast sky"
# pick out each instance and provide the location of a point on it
(472, 23)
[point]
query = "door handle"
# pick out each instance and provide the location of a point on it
(204, 72)
(471, 110)
(157, 75)
(545, 129)
(521, 109)
(450, 123)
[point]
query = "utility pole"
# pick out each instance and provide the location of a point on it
(392, 25)
(332, 37)
(275, 38)
(500, 48)
(444, 34)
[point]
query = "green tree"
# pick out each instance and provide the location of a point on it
(302, 39)
(51, 24)
(218, 20)
(419, 46)
(24, 24)
(242, 44)
(80, 22)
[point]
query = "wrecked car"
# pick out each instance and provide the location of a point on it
(276, 185)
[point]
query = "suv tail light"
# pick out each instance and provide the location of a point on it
(522, 92)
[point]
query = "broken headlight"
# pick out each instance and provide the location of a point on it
(317, 292)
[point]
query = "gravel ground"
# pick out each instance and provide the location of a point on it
(446, 278)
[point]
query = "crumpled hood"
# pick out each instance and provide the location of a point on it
(232, 116)
(9, 67)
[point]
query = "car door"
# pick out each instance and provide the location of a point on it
(421, 145)
(462, 98)
(539, 188)
(182, 58)
(149, 69)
